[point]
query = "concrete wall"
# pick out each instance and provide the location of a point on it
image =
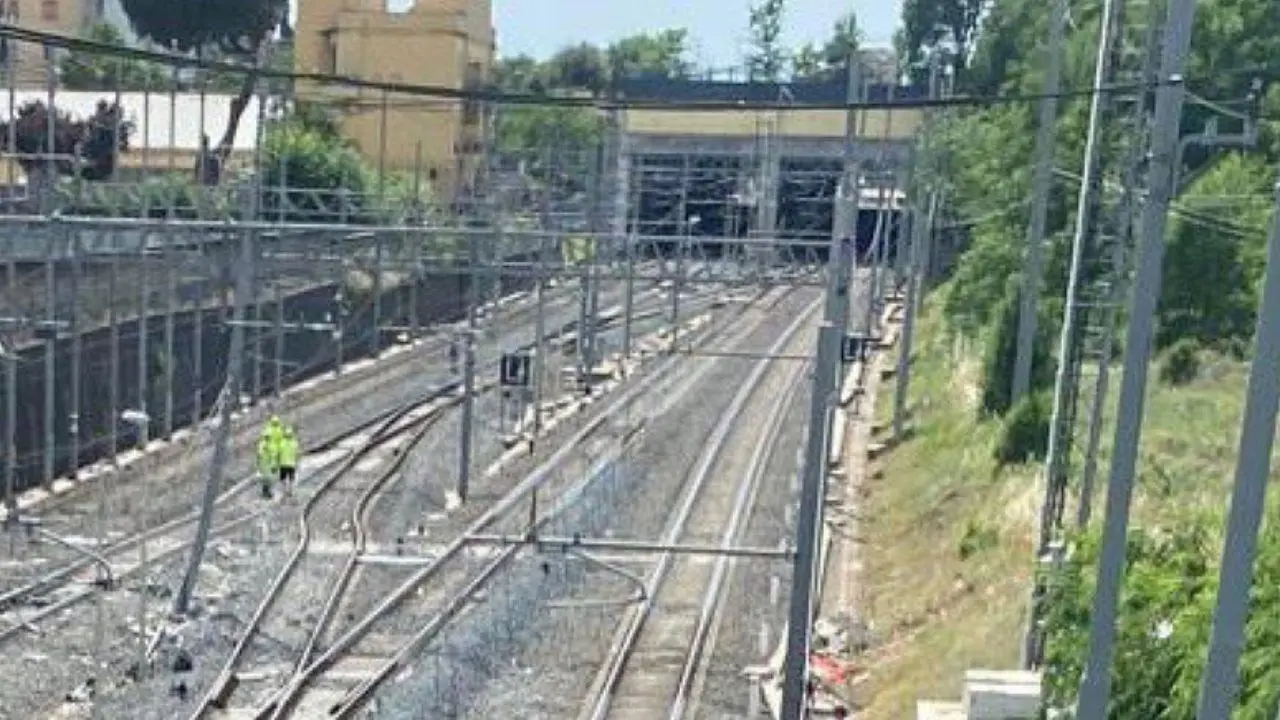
(441, 298)
(808, 123)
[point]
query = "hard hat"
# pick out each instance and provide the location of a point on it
(275, 420)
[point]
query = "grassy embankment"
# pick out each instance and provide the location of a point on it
(949, 535)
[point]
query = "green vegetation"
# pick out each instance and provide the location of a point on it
(557, 144)
(230, 29)
(942, 609)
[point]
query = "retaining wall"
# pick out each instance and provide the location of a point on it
(441, 299)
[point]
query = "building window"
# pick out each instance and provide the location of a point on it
(330, 59)
(49, 10)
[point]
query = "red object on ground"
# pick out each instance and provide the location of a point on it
(830, 670)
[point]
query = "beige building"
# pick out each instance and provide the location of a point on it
(440, 43)
(64, 17)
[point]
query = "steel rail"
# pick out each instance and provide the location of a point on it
(610, 676)
(710, 610)
(217, 695)
(337, 589)
(280, 705)
(59, 578)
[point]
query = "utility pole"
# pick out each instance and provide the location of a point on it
(540, 295)
(1096, 686)
(1066, 382)
(682, 246)
(222, 442)
(1124, 233)
(849, 193)
(917, 262)
(1065, 385)
(809, 518)
(1220, 683)
(469, 368)
(1041, 185)
(50, 346)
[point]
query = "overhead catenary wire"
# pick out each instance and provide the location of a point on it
(66, 42)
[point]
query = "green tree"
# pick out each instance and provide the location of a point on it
(235, 28)
(303, 153)
(1215, 254)
(519, 74)
(767, 58)
(81, 70)
(931, 24)
(664, 53)
(1001, 349)
(579, 67)
(814, 62)
(81, 147)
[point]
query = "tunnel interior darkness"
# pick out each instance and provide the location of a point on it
(709, 207)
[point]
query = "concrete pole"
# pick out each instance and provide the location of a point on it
(469, 369)
(50, 352)
(682, 248)
(11, 359)
(1096, 686)
(255, 285)
(277, 362)
(113, 322)
(77, 351)
(170, 312)
(1220, 683)
(11, 411)
(540, 295)
(222, 442)
(917, 264)
(340, 295)
(916, 285)
(415, 281)
(144, 327)
(1064, 387)
(1125, 214)
(197, 343)
(1041, 184)
(851, 179)
(809, 519)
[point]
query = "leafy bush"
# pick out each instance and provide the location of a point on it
(324, 176)
(1025, 435)
(1181, 363)
(84, 146)
(1164, 622)
(1001, 353)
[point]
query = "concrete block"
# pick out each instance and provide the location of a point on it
(939, 710)
(1002, 695)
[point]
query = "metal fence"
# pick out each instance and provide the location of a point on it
(126, 206)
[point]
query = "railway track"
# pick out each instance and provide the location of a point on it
(347, 669)
(659, 650)
(73, 582)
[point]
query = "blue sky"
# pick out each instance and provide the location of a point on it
(718, 27)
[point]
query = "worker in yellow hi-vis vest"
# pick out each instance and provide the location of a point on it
(287, 459)
(268, 467)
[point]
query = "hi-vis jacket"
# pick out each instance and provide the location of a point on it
(268, 456)
(287, 450)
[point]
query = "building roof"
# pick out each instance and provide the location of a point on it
(184, 111)
(832, 91)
